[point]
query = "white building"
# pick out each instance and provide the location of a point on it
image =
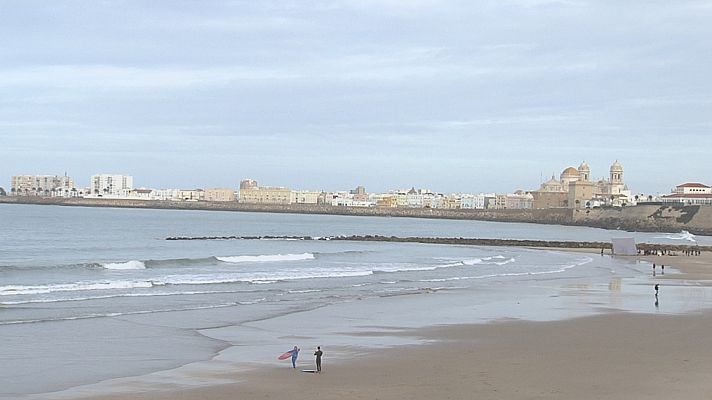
(141, 194)
(472, 201)
(110, 185)
(344, 199)
(166, 194)
(689, 194)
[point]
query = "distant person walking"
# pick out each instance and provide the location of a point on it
(318, 353)
(657, 287)
(662, 268)
(295, 354)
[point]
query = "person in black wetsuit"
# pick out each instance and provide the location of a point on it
(318, 353)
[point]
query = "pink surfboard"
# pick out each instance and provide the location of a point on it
(285, 355)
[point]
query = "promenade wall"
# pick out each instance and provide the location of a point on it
(643, 218)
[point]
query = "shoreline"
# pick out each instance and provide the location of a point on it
(613, 354)
(642, 218)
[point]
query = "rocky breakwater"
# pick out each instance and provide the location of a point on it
(518, 243)
(457, 241)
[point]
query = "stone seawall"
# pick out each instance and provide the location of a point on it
(649, 218)
(643, 218)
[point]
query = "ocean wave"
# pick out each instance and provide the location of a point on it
(304, 291)
(13, 290)
(120, 295)
(267, 258)
(558, 270)
(133, 264)
(477, 261)
(683, 235)
(119, 314)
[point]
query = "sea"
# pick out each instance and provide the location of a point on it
(91, 295)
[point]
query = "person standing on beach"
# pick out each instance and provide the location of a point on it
(295, 354)
(657, 286)
(318, 353)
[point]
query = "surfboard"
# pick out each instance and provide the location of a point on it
(311, 371)
(285, 355)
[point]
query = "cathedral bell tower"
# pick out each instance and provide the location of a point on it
(616, 173)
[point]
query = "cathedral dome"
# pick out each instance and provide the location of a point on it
(570, 171)
(616, 167)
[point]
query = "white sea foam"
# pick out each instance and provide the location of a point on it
(505, 262)
(305, 291)
(557, 270)
(113, 296)
(249, 302)
(684, 235)
(119, 314)
(13, 290)
(133, 264)
(267, 258)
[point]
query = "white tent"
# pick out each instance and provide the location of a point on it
(624, 246)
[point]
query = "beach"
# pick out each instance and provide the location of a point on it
(610, 355)
(123, 313)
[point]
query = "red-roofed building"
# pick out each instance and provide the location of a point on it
(692, 188)
(690, 194)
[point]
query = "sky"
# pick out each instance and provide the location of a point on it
(454, 96)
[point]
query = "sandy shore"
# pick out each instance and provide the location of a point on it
(609, 356)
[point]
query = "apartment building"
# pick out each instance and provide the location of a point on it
(111, 185)
(42, 185)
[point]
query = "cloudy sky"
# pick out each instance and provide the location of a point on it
(453, 96)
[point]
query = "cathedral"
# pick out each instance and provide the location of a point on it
(575, 189)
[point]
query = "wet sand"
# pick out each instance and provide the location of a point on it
(609, 356)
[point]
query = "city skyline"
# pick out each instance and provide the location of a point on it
(541, 185)
(453, 96)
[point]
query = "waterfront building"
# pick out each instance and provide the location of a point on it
(111, 185)
(414, 198)
(265, 195)
(472, 201)
(192, 195)
(141, 194)
(387, 200)
(166, 194)
(342, 199)
(692, 188)
(498, 202)
(220, 194)
(305, 197)
(43, 185)
(519, 200)
(689, 194)
(449, 202)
